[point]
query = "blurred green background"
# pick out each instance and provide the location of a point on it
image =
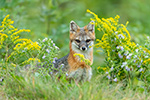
(51, 18)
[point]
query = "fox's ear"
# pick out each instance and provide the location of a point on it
(73, 27)
(91, 26)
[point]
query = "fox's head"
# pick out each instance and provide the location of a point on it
(82, 38)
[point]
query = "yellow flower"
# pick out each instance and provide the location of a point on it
(13, 30)
(148, 60)
(26, 43)
(82, 58)
(104, 68)
(96, 17)
(124, 28)
(99, 29)
(98, 67)
(3, 37)
(92, 19)
(15, 38)
(33, 46)
(31, 59)
(117, 17)
(5, 18)
(22, 40)
(99, 51)
(19, 31)
(127, 23)
(11, 22)
(11, 26)
(14, 65)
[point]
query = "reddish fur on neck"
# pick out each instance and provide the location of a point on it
(73, 61)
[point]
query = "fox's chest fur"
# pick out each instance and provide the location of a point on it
(77, 69)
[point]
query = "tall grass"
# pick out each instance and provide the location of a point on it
(21, 84)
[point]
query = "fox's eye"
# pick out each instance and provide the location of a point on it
(78, 41)
(88, 40)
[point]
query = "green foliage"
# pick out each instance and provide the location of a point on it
(126, 61)
(50, 18)
(29, 85)
(18, 52)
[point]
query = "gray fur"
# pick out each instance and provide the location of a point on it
(59, 62)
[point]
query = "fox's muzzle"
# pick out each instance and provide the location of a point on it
(83, 46)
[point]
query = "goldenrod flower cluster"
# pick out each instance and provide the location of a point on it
(26, 43)
(83, 59)
(11, 45)
(122, 55)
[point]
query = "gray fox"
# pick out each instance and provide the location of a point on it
(80, 41)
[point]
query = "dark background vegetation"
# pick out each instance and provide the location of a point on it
(51, 18)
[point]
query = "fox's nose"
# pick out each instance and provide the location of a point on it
(83, 48)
